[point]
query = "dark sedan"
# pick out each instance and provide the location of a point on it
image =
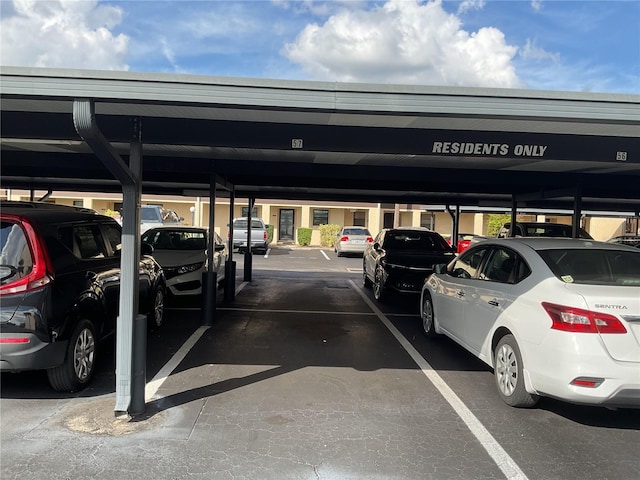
(400, 259)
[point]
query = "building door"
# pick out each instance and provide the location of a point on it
(387, 220)
(286, 225)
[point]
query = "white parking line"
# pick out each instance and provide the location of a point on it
(156, 382)
(266, 254)
(493, 448)
(325, 255)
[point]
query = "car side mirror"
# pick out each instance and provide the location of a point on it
(376, 246)
(440, 268)
(219, 247)
(146, 248)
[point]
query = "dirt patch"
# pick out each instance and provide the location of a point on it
(96, 417)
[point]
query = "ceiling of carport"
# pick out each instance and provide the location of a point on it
(371, 143)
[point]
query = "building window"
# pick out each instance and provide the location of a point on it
(428, 220)
(245, 211)
(320, 217)
(359, 218)
(78, 203)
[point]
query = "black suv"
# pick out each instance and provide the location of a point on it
(59, 289)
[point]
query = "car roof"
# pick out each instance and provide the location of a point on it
(548, 243)
(419, 229)
(44, 213)
(178, 228)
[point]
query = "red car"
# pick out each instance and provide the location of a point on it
(464, 239)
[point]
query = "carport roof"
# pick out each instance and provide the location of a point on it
(326, 141)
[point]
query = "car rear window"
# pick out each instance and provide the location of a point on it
(15, 256)
(415, 241)
(243, 224)
(356, 231)
(594, 266)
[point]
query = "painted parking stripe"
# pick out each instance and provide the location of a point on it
(493, 448)
(156, 382)
(325, 255)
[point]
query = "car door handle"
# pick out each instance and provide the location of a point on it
(494, 303)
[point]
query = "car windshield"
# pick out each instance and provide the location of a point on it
(594, 266)
(415, 241)
(175, 240)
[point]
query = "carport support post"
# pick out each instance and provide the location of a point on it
(577, 209)
(210, 277)
(514, 216)
(130, 371)
(230, 265)
(248, 259)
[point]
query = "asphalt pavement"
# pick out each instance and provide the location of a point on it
(304, 376)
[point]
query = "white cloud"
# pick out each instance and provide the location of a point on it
(404, 41)
(62, 33)
(531, 51)
(536, 5)
(467, 5)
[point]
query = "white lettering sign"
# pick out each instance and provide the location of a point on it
(488, 149)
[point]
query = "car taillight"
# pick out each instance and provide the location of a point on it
(344, 239)
(14, 340)
(588, 382)
(265, 235)
(370, 239)
(40, 273)
(570, 319)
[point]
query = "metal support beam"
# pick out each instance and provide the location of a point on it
(577, 209)
(248, 255)
(129, 384)
(455, 225)
(84, 119)
(514, 216)
(230, 266)
(210, 277)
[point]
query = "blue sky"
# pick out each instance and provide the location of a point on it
(536, 44)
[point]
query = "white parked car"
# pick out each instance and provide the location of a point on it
(554, 317)
(352, 240)
(182, 254)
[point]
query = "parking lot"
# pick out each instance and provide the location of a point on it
(305, 376)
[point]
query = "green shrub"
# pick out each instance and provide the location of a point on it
(269, 233)
(304, 236)
(328, 235)
(495, 221)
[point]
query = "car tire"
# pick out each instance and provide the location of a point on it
(428, 317)
(156, 316)
(79, 364)
(508, 374)
(379, 290)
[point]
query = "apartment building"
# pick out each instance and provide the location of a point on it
(287, 216)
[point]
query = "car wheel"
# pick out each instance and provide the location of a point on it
(428, 326)
(508, 368)
(79, 363)
(156, 315)
(379, 291)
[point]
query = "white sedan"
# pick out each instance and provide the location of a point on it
(182, 254)
(554, 317)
